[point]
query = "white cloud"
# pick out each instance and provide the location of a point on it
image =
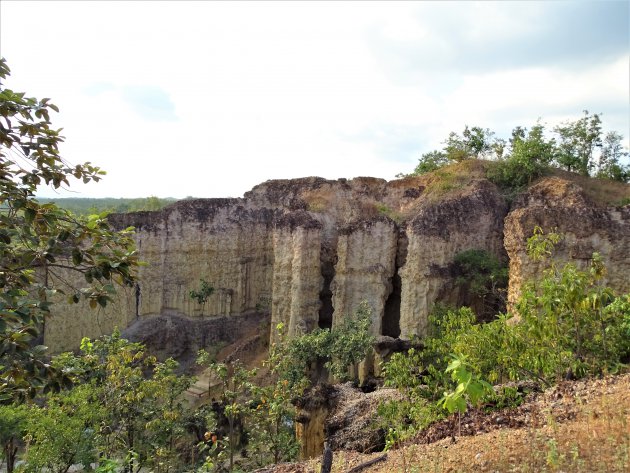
(254, 91)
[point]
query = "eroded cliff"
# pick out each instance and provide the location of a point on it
(306, 252)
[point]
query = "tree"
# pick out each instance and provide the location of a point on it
(12, 424)
(578, 140)
(202, 295)
(530, 157)
(475, 142)
(140, 400)
(347, 344)
(430, 161)
(61, 433)
(610, 166)
(235, 385)
(271, 423)
(39, 243)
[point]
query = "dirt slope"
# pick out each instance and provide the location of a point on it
(579, 426)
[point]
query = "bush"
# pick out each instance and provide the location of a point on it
(570, 326)
(337, 350)
(529, 159)
(484, 277)
(430, 162)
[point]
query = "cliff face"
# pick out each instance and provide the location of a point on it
(586, 228)
(307, 252)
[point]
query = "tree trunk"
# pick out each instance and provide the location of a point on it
(11, 455)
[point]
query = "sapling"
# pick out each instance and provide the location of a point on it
(202, 295)
(469, 388)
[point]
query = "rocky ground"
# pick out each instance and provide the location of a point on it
(579, 426)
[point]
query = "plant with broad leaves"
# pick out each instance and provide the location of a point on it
(469, 388)
(40, 244)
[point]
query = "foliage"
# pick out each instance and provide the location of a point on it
(39, 243)
(271, 434)
(61, 433)
(610, 166)
(430, 162)
(202, 295)
(402, 418)
(87, 206)
(541, 245)
(143, 412)
(484, 276)
(271, 424)
(530, 157)
(12, 424)
(576, 146)
(345, 345)
(474, 142)
(569, 325)
(469, 387)
(578, 140)
(235, 390)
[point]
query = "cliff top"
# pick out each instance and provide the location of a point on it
(347, 201)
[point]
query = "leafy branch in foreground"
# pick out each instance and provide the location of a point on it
(41, 245)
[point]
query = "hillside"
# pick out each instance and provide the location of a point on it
(308, 255)
(573, 427)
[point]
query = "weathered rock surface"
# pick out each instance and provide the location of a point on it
(343, 415)
(306, 252)
(182, 337)
(436, 234)
(559, 205)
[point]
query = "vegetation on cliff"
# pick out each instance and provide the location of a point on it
(569, 326)
(577, 146)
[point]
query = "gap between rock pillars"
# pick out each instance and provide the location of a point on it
(326, 308)
(391, 312)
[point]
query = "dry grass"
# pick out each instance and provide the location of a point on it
(596, 439)
(448, 179)
(451, 179)
(603, 192)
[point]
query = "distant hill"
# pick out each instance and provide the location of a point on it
(87, 206)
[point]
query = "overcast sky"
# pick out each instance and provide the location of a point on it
(208, 99)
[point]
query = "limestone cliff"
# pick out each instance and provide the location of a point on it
(306, 252)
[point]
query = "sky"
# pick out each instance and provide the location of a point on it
(208, 99)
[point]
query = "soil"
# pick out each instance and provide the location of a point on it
(579, 426)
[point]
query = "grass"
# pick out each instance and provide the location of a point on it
(383, 209)
(603, 192)
(453, 178)
(594, 439)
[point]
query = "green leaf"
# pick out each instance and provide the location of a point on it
(29, 215)
(77, 256)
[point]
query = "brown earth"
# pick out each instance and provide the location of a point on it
(579, 426)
